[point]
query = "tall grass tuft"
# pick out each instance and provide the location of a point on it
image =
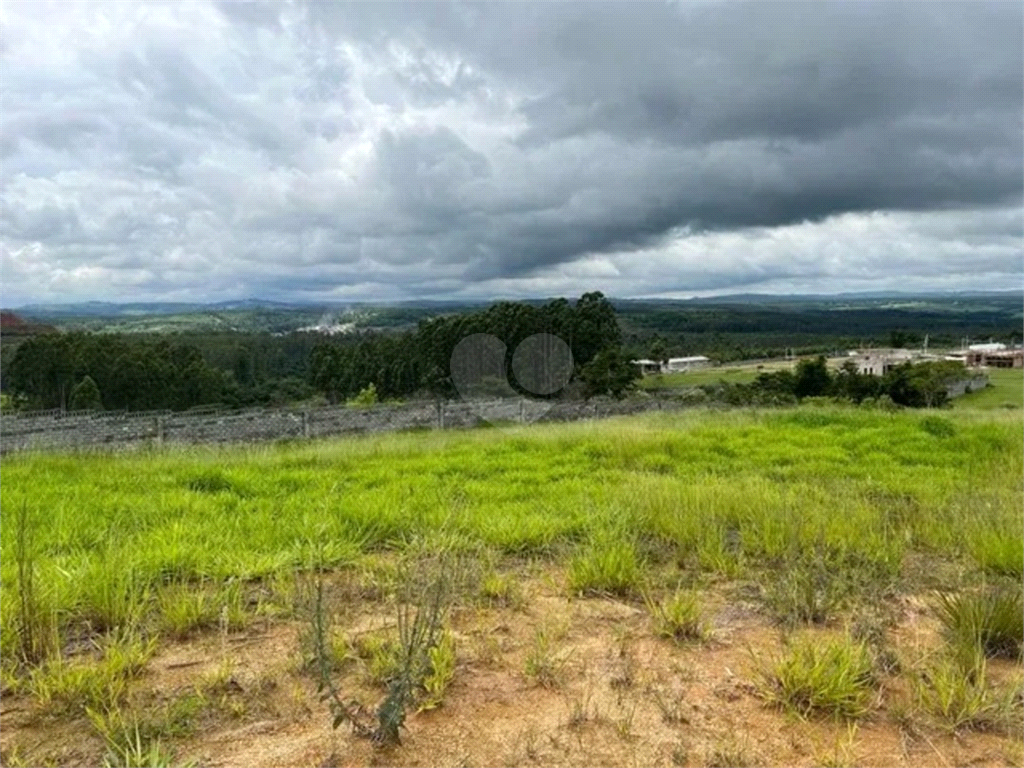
(834, 679)
(957, 695)
(990, 621)
(606, 568)
(37, 631)
(678, 617)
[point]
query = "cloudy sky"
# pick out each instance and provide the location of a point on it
(323, 151)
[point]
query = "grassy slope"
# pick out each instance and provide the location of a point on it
(1005, 389)
(869, 484)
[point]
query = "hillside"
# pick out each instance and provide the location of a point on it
(12, 325)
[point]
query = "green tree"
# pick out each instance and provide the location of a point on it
(812, 378)
(85, 396)
(610, 372)
(658, 350)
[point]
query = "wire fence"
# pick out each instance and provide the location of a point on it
(57, 430)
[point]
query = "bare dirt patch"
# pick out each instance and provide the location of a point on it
(616, 695)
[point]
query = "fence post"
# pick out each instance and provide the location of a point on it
(159, 430)
(440, 414)
(522, 411)
(305, 424)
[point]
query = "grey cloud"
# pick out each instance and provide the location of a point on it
(475, 147)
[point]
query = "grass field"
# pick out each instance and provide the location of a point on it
(1005, 390)
(740, 373)
(608, 572)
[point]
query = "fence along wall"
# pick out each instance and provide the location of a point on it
(54, 431)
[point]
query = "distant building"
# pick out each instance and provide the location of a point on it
(677, 364)
(648, 367)
(674, 365)
(990, 356)
(878, 362)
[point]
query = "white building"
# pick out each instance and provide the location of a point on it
(674, 364)
(877, 362)
(678, 364)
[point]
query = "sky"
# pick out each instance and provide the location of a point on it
(304, 151)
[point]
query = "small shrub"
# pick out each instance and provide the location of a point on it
(991, 621)
(366, 398)
(678, 617)
(608, 569)
(834, 679)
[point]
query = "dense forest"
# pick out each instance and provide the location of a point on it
(406, 351)
(748, 330)
(137, 372)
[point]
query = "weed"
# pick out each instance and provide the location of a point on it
(135, 743)
(63, 685)
(842, 754)
(442, 671)
(870, 627)
(625, 675)
(959, 697)
(680, 754)
(37, 636)
(834, 679)
(341, 711)
(381, 655)
(605, 569)
(184, 609)
(624, 724)
(421, 614)
(729, 752)
(671, 706)
(679, 617)
(500, 590)
(809, 590)
(543, 665)
(991, 620)
(579, 711)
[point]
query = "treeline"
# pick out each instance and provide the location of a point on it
(405, 364)
(919, 385)
(142, 372)
(136, 374)
(729, 332)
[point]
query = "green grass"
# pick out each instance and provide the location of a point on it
(990, 621)
(678, 617)
(731, 374)
(814, 679)
(959, 696)
(153, 538)
(1005, 390)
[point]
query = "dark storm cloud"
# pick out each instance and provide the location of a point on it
(324, 148)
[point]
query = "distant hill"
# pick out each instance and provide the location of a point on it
(13, 325)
